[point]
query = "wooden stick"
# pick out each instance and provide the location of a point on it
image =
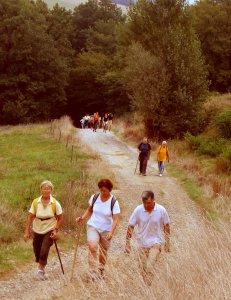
(75, 252)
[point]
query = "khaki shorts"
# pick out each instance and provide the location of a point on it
(98, 237)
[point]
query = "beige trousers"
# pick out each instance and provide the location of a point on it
(149, 254)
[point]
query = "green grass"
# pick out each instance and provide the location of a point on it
(194, 191)
(28, 155)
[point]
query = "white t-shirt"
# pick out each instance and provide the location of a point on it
(149, 225)
(101, 218)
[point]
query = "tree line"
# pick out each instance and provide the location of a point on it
(159, 60)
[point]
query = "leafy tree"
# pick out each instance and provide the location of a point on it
(173, 57)
(212, 23)
(32, 73)
(88, 14)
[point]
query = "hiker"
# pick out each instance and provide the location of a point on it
(144, 155)
(105, 122)
(110, 120)
(153, 229)
(95, 121)
(103, 217)
(162, 156)
(46, 218)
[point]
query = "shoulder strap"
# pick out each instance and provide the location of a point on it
(35, 204)
(113, 201)
(94, 199)
(53, 205)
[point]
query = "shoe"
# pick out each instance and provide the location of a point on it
(160, 175)
(144, 174)
(101, 273)
(41, 275)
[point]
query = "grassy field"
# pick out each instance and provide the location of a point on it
(30, 154)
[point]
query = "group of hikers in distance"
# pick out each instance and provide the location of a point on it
(102, 215)
(95, 121)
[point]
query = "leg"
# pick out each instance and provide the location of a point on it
(37, 244)
(155, 252)
(143, 258)
(103, 248)
(145, 162)
(159, 166)
(141, 164)
(93, 238)
(46, 244)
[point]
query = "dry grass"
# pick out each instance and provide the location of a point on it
(197, 268)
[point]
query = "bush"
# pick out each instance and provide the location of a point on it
(205, 146)
(223, 163)
(194, 142)
(211, 147)
(223, 121)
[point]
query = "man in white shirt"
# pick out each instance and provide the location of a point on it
(153, 229)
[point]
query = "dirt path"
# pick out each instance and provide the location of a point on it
(194, 269)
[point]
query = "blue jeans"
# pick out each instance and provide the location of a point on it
(161, 166)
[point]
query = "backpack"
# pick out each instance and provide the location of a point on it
(35, 205)
(113, 201)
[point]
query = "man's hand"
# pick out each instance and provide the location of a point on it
(167, 246)
(109, 236)
(27, 235)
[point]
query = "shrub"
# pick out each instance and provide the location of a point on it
(194, 142)
(223, 121)
(211, 147)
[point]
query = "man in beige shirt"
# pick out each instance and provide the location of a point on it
(46, 217)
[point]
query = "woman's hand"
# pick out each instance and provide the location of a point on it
(27, 235)
(54, 235)
(79, 220)
(109, 236)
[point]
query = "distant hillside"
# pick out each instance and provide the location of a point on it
(70, 4)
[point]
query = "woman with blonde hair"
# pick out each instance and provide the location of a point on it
(45, 217)
(162, 156)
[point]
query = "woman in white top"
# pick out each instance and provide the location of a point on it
(103, 213)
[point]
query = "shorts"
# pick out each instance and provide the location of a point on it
(98, 237)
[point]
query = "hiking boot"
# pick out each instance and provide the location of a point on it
(41, 275)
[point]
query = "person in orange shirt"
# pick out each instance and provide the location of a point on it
(162, 156)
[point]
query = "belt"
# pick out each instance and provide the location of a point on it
(44, 219)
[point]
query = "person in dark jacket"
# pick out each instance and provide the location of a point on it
(145, 150)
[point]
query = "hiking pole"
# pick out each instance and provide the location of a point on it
(75, 252)
(57, 250)
(136, 165)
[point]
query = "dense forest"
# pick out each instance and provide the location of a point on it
(160, 60)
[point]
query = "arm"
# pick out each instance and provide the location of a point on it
(85, 216)
(27, 233)
(167, 154)
(130, 231)
(114, 225)
(167, 237)
(54, 234)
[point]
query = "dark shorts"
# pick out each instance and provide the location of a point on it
(41, 245)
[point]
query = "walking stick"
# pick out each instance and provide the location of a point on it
(136, 165)
(75, 252)
(57, 250)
